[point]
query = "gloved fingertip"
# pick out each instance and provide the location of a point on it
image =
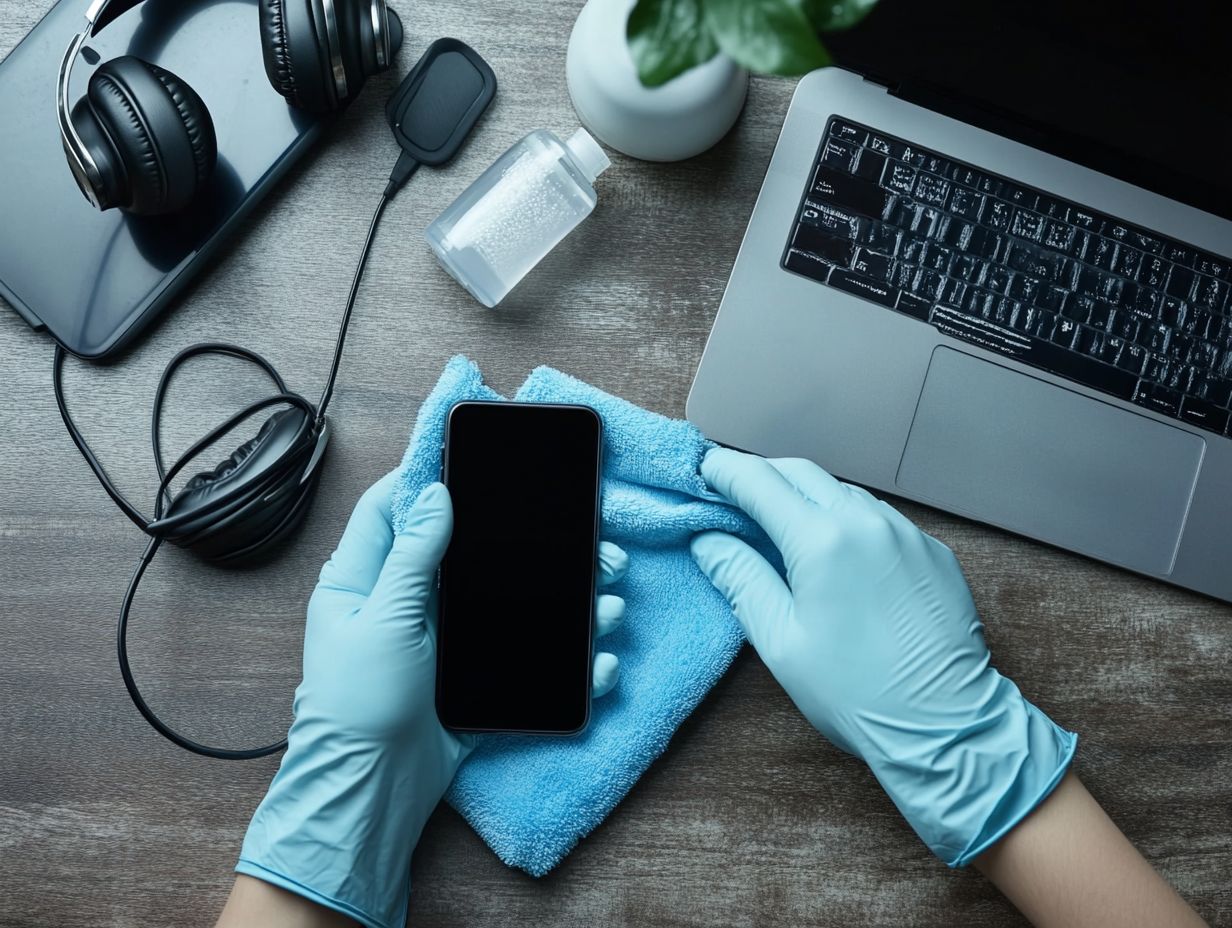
(609, 614)
(432, 506)
(613, 562)
(714, 460)
(605, 674)
(434, 494)
(425, 533)
(706, 546)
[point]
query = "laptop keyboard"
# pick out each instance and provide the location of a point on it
(1046, 281)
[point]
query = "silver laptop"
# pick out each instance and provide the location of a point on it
(928, 305)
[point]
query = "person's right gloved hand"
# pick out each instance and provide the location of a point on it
(876, 639)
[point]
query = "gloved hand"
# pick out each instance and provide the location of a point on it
(367, 760)
(877, 641)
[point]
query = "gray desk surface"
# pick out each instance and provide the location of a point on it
(750, 818)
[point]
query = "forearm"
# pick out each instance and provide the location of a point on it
(1068, 864)
(256, 904)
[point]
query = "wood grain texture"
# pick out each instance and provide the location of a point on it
(750, 818)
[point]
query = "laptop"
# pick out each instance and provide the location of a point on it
(990, 270)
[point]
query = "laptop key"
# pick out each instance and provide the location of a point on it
(1024, 288)
(880, 236)
(1051, 298)
(997, 215)
(872, 265)
(853, 194)
(1088, 340)
(1078, 245)
(1212, 266)
(1064, 332)
(1086, 220)
(1045, 325)
(1133, 358)
(1204, 414)
(1028, 225)
(900, 177)
(1181, 254)
(873, 290)
(829, 220)
(1210, 293)
(931, 189)
(870, 165)
(1158, 369)
(1180, 282)
(807, 264)
(827, 247)
(936, 257)
(1077, 308)
(1183, 378)
(1021, 196)
(1101, 252)
(957, 234)
(1058, 235)
(914, 306)
(1126, 327)
(840, 156)
(1111, 350)
(928, 284)
(1158, 398)
(847, 132)
(966, 203)
(1216, 390)
(1127, 261)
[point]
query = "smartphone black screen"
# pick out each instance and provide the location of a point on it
(518, 580)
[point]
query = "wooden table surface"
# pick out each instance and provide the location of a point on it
(750, 818)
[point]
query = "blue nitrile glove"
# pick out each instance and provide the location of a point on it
(876, 639)
(367, 760)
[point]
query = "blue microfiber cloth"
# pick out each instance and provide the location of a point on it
(533, 798)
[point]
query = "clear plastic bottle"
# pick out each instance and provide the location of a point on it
(517, 211)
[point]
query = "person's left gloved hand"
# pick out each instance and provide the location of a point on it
(367, 761)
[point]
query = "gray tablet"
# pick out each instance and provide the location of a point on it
(95, 280)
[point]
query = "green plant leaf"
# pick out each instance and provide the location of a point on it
(834, 15)
(768, 36)
(666, 38)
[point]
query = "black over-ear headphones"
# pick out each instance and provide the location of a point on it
(142, 140)
(243, 508)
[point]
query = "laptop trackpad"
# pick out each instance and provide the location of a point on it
(1038, 459)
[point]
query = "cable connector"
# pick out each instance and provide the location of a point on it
(400, 174)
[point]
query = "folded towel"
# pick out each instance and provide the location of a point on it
(533, 798)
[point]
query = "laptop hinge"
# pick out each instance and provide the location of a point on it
(889, 83)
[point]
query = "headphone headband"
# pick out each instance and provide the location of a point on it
(102, 12)
(85, 171)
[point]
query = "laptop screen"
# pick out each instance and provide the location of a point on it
(1134, 89)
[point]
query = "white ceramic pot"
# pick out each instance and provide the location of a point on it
(678, 120)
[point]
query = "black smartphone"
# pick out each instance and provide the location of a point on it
(517, 584)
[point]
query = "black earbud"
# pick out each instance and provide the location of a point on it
(150, 135)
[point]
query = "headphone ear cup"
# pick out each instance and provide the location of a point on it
(113, 189)
(357, 40)
(357, 23)
(295, 44)
(274, 48)
(159, 131)
(295, 50)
